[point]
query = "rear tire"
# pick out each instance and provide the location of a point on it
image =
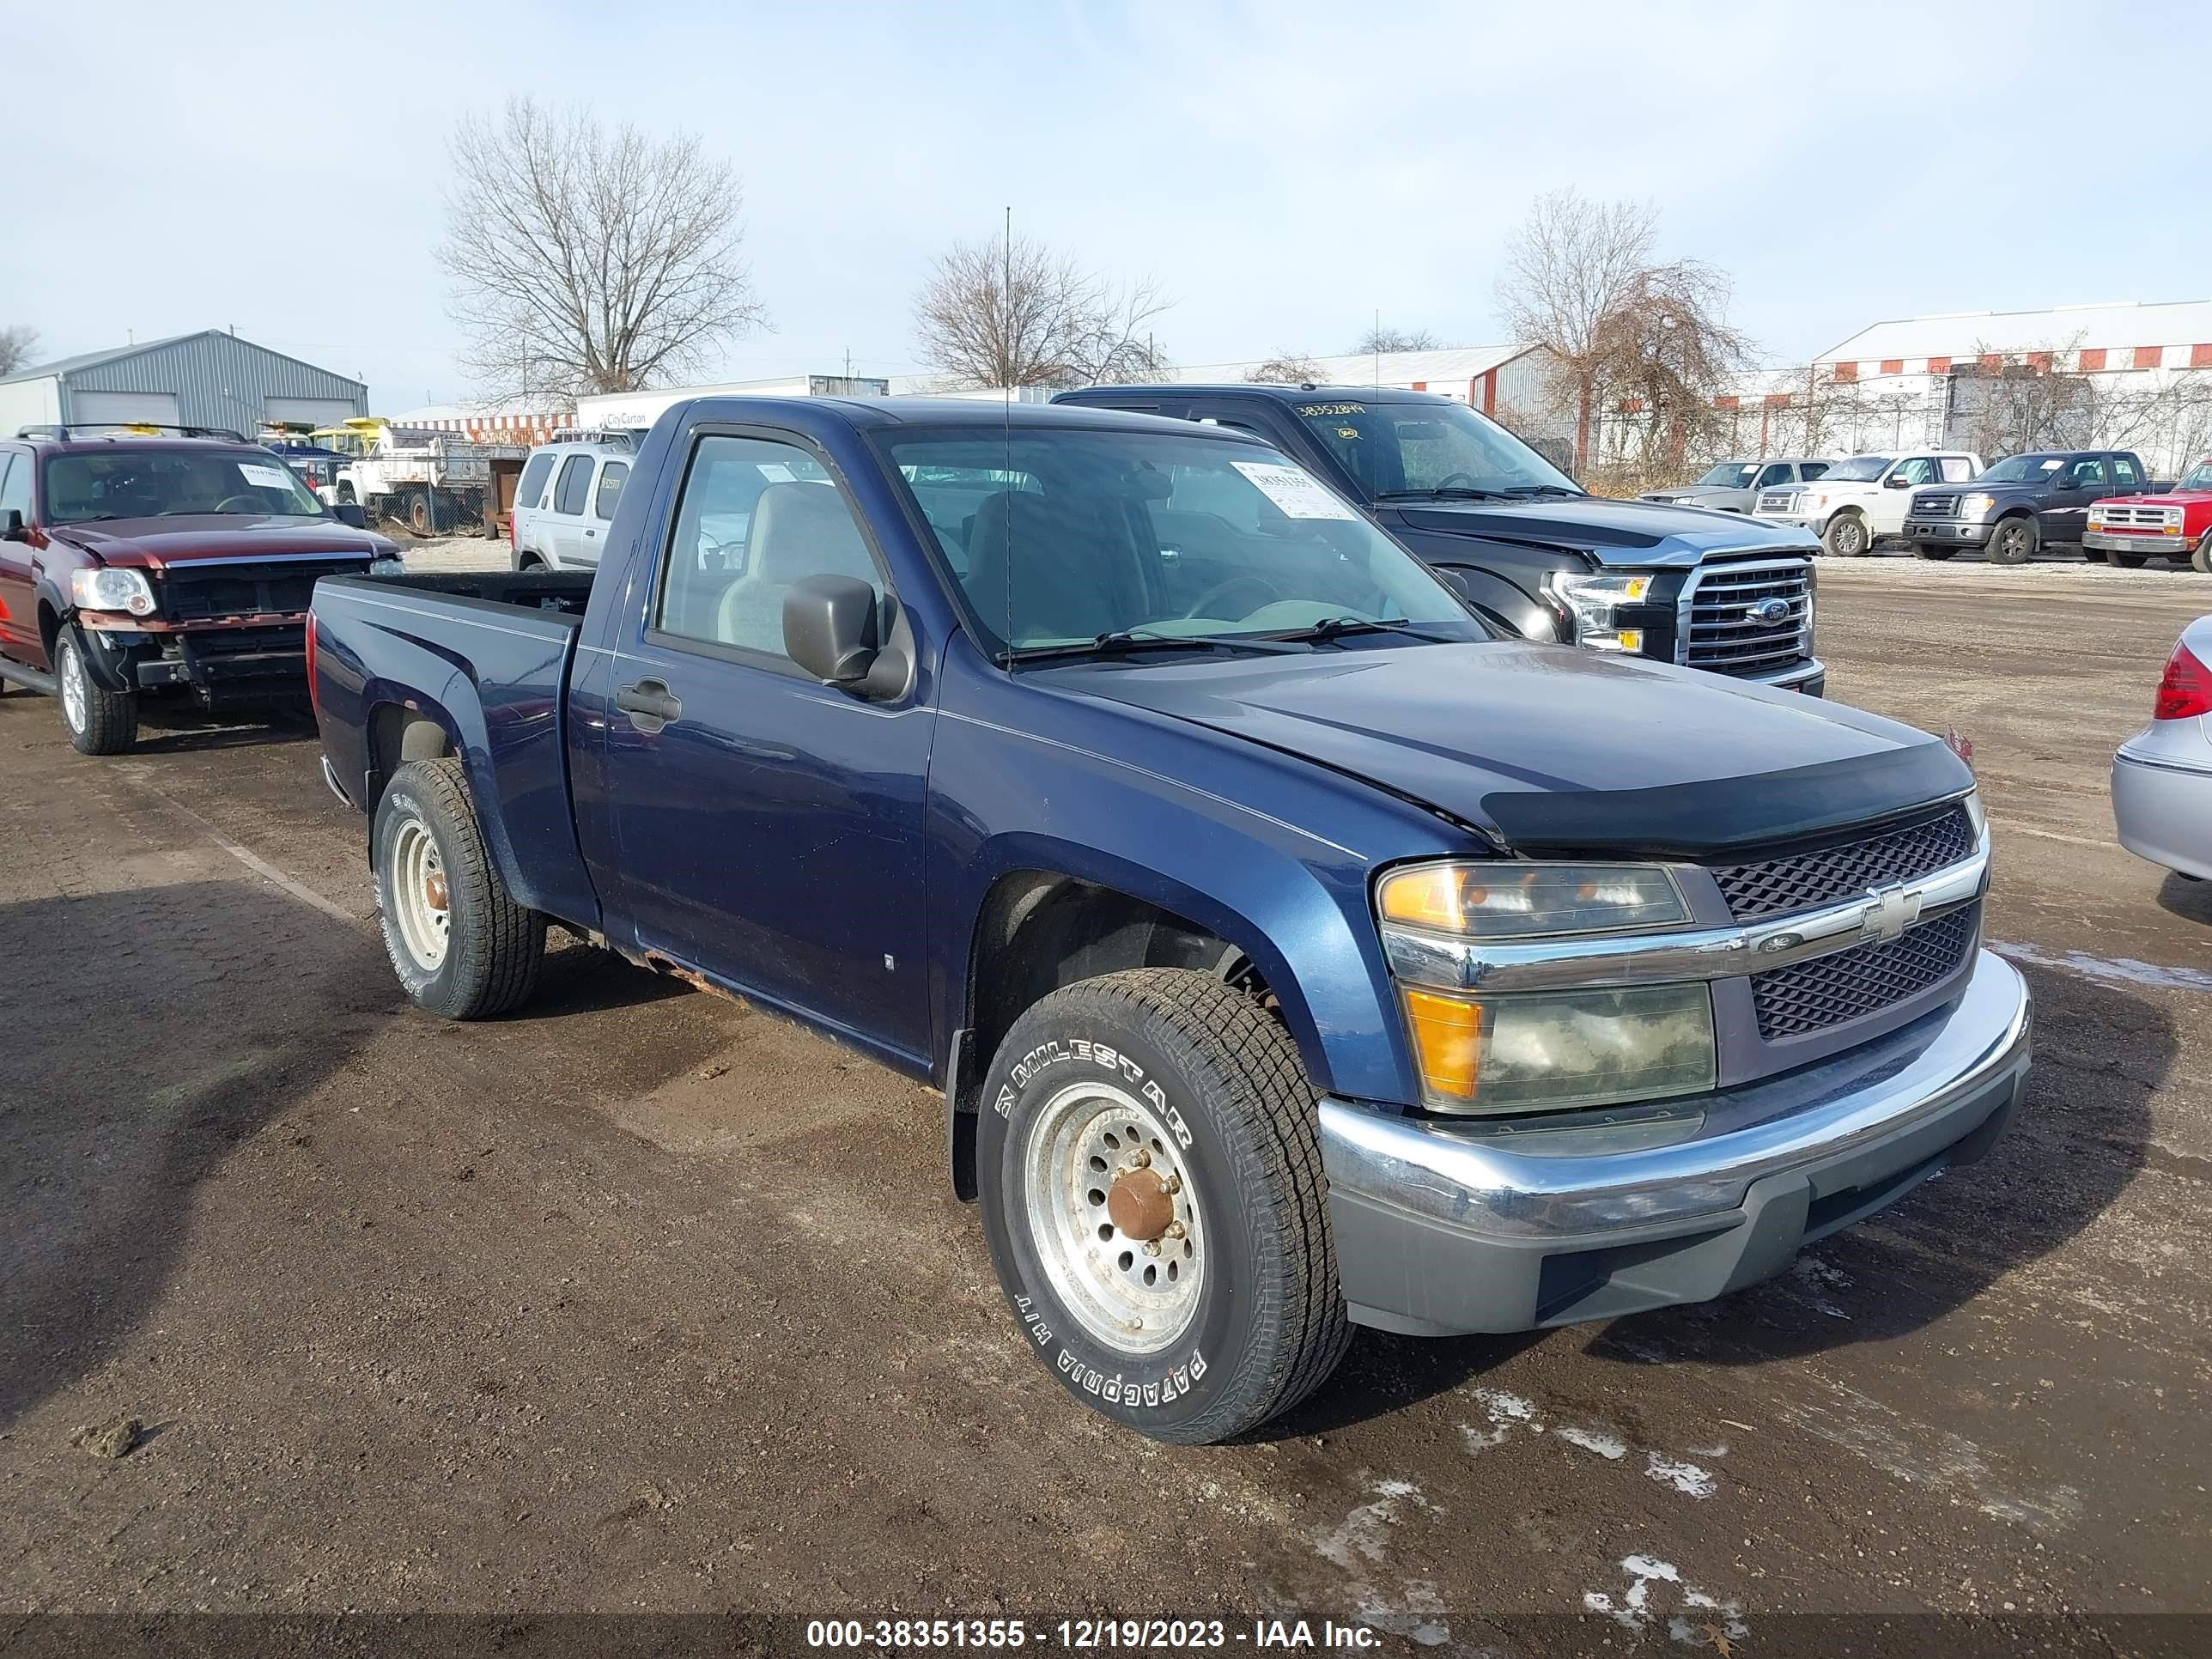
(2201, 560)
(478, 952)
(420, 519)
(99, 721)
(1846, 536)
(2013, 542)
(1934, 549)
(1238, 1314)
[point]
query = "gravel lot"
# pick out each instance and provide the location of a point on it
(643, 1302)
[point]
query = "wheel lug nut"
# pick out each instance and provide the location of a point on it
(1143, 1158)
(1152, 1247)
(1174, 1183)
(1177, 1229)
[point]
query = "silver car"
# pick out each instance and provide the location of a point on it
(1733, 486)
(2163, 776)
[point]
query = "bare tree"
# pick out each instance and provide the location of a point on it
(19, 347)
(584, 260)
(1380, 337)
(1286, 369)
(1017, 313)
(1581, 280)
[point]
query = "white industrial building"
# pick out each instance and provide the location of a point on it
(2144, 375)
(208, 379)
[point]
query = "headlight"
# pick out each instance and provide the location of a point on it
(110, 588)
(1595, 601)
(1975, 506)
(1814, 503)
(1977, 821)
(1548, 1051)
(1506, 900)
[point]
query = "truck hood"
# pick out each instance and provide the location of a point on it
(1637, 534)
(2171, 498)
(1705, 495)
(1551, 748)
(152, 544)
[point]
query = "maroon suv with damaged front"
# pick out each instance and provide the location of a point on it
(140, 563)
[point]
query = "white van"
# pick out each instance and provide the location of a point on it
(566, 500)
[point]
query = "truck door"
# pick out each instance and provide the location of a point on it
(19, 600)
(2065, 514)
(768, 828)
(1886, 512)
(565, 525)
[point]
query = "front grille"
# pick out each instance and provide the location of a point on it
(1721, 632)
(2133, 518)
(1935, 507)
(1812, 996)
(195, 593)
(1777, 501)
(1775, 887)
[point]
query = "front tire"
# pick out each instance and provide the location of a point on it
(1846, 536)
(461, 945)
(2201, 560)
(1150, 1174)
(2126, 561)
(100, 721)
(2013, 542)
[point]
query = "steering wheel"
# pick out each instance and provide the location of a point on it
(241, 503)
(1202, 606)
(1445, 482)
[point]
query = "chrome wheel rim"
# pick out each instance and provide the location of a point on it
(74, 698)
(1847, 537)
(1097, 1156)
(420, 895)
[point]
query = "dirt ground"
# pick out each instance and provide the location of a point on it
(643, 1303)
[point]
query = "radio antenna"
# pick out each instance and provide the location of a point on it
(1006, 355)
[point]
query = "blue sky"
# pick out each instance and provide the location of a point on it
(1285, 170)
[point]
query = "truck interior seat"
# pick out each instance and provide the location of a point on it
(797, 530)
(1078, 573)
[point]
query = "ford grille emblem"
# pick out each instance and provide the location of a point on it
(1769, 611)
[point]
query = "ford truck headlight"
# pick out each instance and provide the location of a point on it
(1976, 506)
(1596, 601)
(112, 588)
(1546, 1050)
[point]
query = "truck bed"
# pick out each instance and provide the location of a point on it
(486, 657)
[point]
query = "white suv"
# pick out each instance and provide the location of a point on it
(566, 500)
(1856, 502)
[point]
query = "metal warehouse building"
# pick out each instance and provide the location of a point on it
(208, 379)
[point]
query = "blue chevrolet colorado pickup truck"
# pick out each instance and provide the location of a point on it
(1523, 542)
(1292, 951)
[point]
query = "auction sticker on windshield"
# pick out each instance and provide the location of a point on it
(265, 477)
(1297, 495)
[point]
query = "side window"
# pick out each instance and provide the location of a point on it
(1916, 470)
(2124, 474)
(575, 483)
(778, 506)
(1778, 473)
(610, 490)
(1809, 470)
(2087, 473)
(1957, 469)
(14, 483)
(531, 492)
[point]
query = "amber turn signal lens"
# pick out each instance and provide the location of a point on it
(1447, 1034)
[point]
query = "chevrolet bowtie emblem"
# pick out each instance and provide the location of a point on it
(1891, 909)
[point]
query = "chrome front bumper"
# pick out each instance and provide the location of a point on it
(1442, 1227)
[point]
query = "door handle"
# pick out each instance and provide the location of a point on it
(590, 533)
(650, 704)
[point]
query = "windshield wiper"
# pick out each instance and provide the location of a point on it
(1448, 493)
(1544, 490)
(1123, 641)
(1335, 628)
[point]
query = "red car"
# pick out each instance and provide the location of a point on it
(134, 564)
(2126, 530)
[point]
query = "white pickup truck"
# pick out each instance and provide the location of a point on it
(1856, 502)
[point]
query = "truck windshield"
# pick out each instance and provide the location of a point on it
(1065, 537)
(1860, 468)
(130, 482)
(2019, 469)
(2198, 477)
(1402, 451)
(1730, 475)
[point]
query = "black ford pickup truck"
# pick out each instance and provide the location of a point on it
(2021, 503)
(1291, 950)
(1521, 541)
